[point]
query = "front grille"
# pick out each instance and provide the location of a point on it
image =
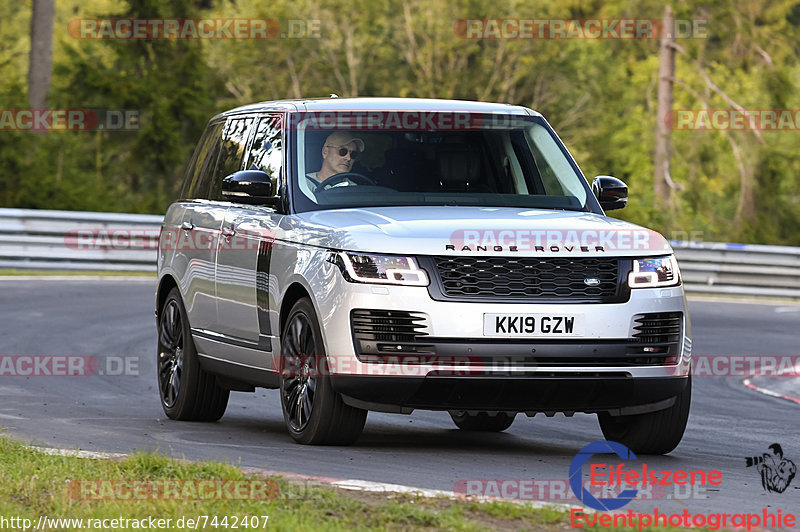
(388, 325)
(529, 277)
(658, 328)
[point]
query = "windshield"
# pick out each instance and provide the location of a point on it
(352, 159)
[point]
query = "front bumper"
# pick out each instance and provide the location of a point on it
(618, 393)
(598, 371)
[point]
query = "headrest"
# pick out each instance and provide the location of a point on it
(401, 156)
(458, 165)
(313, 150)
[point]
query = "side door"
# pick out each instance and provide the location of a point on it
(196, 239)
(245, 248)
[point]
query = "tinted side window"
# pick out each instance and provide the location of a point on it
(266, 153)
(234, 140)
(202, 164)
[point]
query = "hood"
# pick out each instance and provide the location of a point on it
(459, 230)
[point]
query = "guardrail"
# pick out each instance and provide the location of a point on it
(32, 239)
(739, 269)
(52, 240)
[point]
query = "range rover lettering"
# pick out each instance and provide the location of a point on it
(392, 254)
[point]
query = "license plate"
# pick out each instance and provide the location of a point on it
(533, 325)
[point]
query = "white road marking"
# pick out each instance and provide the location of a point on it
(347, 484)
(77, 453)
(760, 389)
(382, 487)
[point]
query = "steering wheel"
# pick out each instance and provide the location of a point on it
(355, 177)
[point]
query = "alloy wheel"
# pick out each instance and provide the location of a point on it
(300, 372)
(170, 353)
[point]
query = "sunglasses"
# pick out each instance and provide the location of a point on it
(342, 151)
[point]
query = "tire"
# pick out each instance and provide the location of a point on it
(652, 433)
(187, 392)
(482, 422)
(313, 412)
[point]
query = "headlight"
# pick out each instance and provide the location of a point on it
(381, 269)
(654, 272)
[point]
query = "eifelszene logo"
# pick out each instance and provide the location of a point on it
(776, 471)
(576, 475)
(621, 476)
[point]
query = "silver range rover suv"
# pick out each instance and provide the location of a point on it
(398, 254)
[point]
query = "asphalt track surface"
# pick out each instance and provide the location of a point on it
(113, 320)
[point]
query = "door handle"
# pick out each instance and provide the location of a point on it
(187, 226)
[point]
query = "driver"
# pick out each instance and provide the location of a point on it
(339, 153)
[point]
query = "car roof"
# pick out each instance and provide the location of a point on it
(380, 104)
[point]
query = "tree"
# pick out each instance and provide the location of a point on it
(40, 68)
(662, 185)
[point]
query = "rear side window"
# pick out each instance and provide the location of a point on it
(234, 141)
(203, 163)
(266, 152)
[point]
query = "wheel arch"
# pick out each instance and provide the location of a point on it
(293, 294)
(165, 285)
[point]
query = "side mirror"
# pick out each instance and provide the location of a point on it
(253, 187)
(610, 192)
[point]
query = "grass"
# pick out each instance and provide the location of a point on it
(33, 483)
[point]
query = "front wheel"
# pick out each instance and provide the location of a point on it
(314, 413)
(482, 422)
(188, 393)
(652, 433)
